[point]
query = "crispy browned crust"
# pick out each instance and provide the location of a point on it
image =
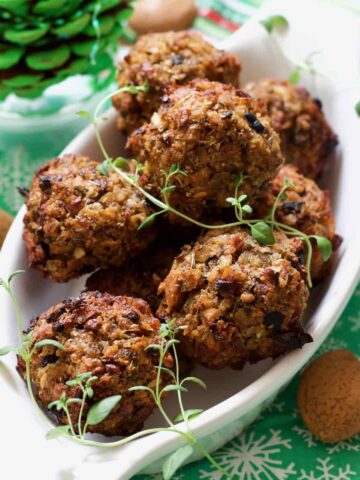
(162, 60)
(78, 220)
(107, 336)
(241, 302)
(306, 208)
(306, 138)
(215, 133)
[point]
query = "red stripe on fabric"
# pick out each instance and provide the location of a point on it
(217, 18)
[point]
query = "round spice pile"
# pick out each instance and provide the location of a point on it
(164, 60)
(215, 133)
(78, 220)
(329, 396)
(104, 335)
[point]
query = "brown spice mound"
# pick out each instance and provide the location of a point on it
(329, 396)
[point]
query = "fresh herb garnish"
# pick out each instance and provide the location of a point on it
(274, 21)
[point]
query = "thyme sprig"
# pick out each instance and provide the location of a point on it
(99, 411)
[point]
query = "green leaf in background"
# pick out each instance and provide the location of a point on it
(262, 233)
(357, 108)
(325, 247)
(57, 432)
(9, 348)
(274, 21)
(101, 410)
(188, 414)
(174, 462)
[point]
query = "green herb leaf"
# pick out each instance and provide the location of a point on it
(174, 388)
(174, 169)
(168, 189)
(84, 114)
(233, 201)
(357, 108)
(325, 247)
(69, 401)
(148, 220)
(174, 462)
(7, 349)
(242, 198)
(247, 209)
(274, 21)
(140, 388)
(239, 180)
(78, 379)
(154, 346)
(57, 432)
(101, 410)
(262, 233)
(121, 162)
(195, 380)
(103, 168)
(295, 76)
(49, 341)
(15, 274)
(191, 413)
(166, 370)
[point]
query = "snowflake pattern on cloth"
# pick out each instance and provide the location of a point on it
(253, 457)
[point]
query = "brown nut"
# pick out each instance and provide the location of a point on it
(329, 396)
(162, 15)
(5, 222)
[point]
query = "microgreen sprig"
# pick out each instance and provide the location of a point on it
(100, 410)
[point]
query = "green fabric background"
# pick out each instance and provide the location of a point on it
(277, 446)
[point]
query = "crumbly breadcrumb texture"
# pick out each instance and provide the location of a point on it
(307, 140)
(215, 133)
(78, 220)
(240, 301)
(104, 335)
(306, 208)
(164, 60)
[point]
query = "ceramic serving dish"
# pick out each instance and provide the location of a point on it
(233, 399)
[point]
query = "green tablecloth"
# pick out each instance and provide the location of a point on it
(277, 446)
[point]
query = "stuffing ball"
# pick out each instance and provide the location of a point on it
(78, 220)
(163, 60)
(306, 138)
(306, 208)
(139, 278)
(104, 335)
(240, 301)
(214, 133)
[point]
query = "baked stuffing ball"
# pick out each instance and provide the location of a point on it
(104, 335)
(214, 133)
(240, 301)
(306, 208)
(306, 138)
(167, 59)
(138, 278)
(78, 220)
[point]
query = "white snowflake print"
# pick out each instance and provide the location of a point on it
(306, 435)
(326, 471)
(274, 407)
(355, 321)
(253, 457)
(350, 445)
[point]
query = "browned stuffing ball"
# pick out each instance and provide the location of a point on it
(306, 208)
(167, 59)
(214, 133)
(240, 301)
(306, 138)
(138, 278)
(78, 220)
(104, 335)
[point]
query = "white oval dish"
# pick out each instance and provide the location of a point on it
(233, 398)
